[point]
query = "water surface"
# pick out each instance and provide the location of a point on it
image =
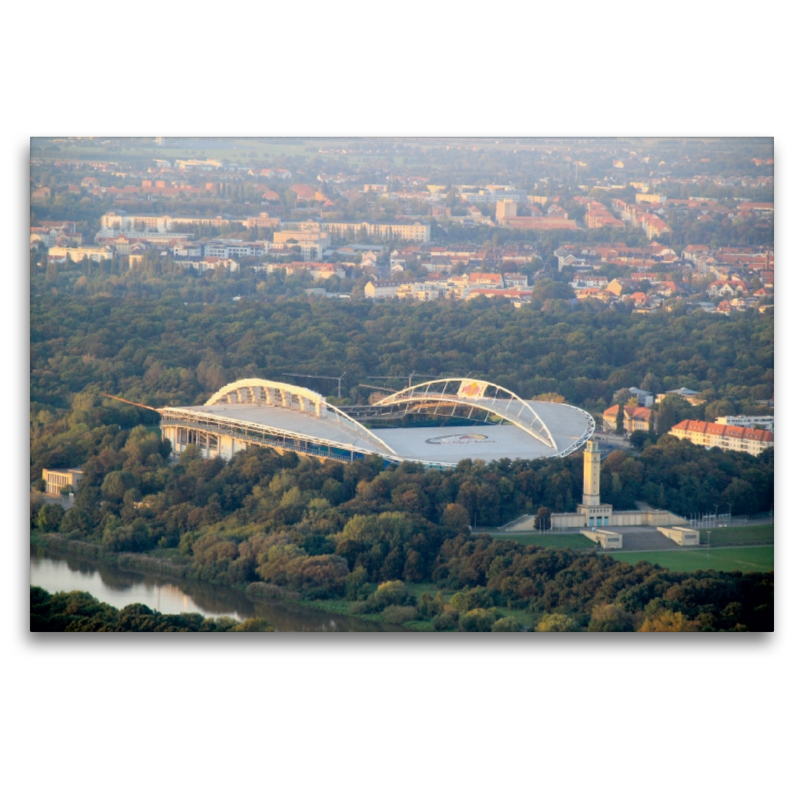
(57, 572)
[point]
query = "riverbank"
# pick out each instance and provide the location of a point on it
(122, 578)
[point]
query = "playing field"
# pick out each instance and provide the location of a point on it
(725, 559)
(577, 540)
(747, 534)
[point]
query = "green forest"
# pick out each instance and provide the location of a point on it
(79, 611)
(365, 533)
(177, 350)
(370, 536)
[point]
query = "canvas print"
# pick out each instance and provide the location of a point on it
(505, 385)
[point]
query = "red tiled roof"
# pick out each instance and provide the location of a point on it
(630, 412)
(731, 431)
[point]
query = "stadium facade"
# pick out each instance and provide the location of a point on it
(437, 423)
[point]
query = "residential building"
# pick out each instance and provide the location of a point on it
(381, 290)
(263, 220)
(726, 437)
(539, 223)
(491, 197)
(92, 252)
(766, 422)
(506, 208)
(515, 280)
(234, 248)
(517, 295)
(656, 199)
(210, 263)
(634, 418)
(486, 280)
(160, 223)
(415, 232)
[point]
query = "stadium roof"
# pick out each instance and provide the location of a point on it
(293, 417)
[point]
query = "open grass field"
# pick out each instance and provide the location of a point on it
(576, 540)
(749, 534)
(236, 150)
(744, 559)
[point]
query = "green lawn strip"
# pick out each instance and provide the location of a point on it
(419, 625)
(749, 534)
(521, 615)
(418, 589)
(575, 540)
(743, 559)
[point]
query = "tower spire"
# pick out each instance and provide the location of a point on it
(591, 474)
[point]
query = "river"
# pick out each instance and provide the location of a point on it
(57, 572)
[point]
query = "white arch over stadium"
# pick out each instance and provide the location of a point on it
(273, 414)
(511, 407)
(285, 395)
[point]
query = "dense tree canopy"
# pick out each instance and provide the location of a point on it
(356, 531)
(328, 530)
(171, 352)
(79, 611)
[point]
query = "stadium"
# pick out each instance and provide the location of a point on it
(437, 424)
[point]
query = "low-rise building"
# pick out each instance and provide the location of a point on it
(765, 422)
(381, 290)
(57, 479)
(634, 418)
(210, 262)
(92, 252)
(644, 398)
(230, 248)
(516, 295)
(690, 395)
(415, 232)
(726, 437)
(263, 220)
(515, 280)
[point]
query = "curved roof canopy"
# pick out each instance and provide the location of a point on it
(558, 429)
(255, 404)
(499, 402)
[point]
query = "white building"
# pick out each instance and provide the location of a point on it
(506, 208)
(381, 290)
(92, 252)
(57, 479)
(160, 223)
(414, 232)
(644, 398)
(767, 423)
(515, 280)
(234, 248)
(211, 263)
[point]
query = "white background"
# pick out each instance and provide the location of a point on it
(422, 716)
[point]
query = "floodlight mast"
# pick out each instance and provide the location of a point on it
(321, 377)
(408, 377)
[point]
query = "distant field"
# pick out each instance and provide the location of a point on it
(751, 534)
(576, 540)
(238, 151)
(744, 559)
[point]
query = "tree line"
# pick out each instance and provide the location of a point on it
(81, 612)
(333, 530)
(176, 351)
